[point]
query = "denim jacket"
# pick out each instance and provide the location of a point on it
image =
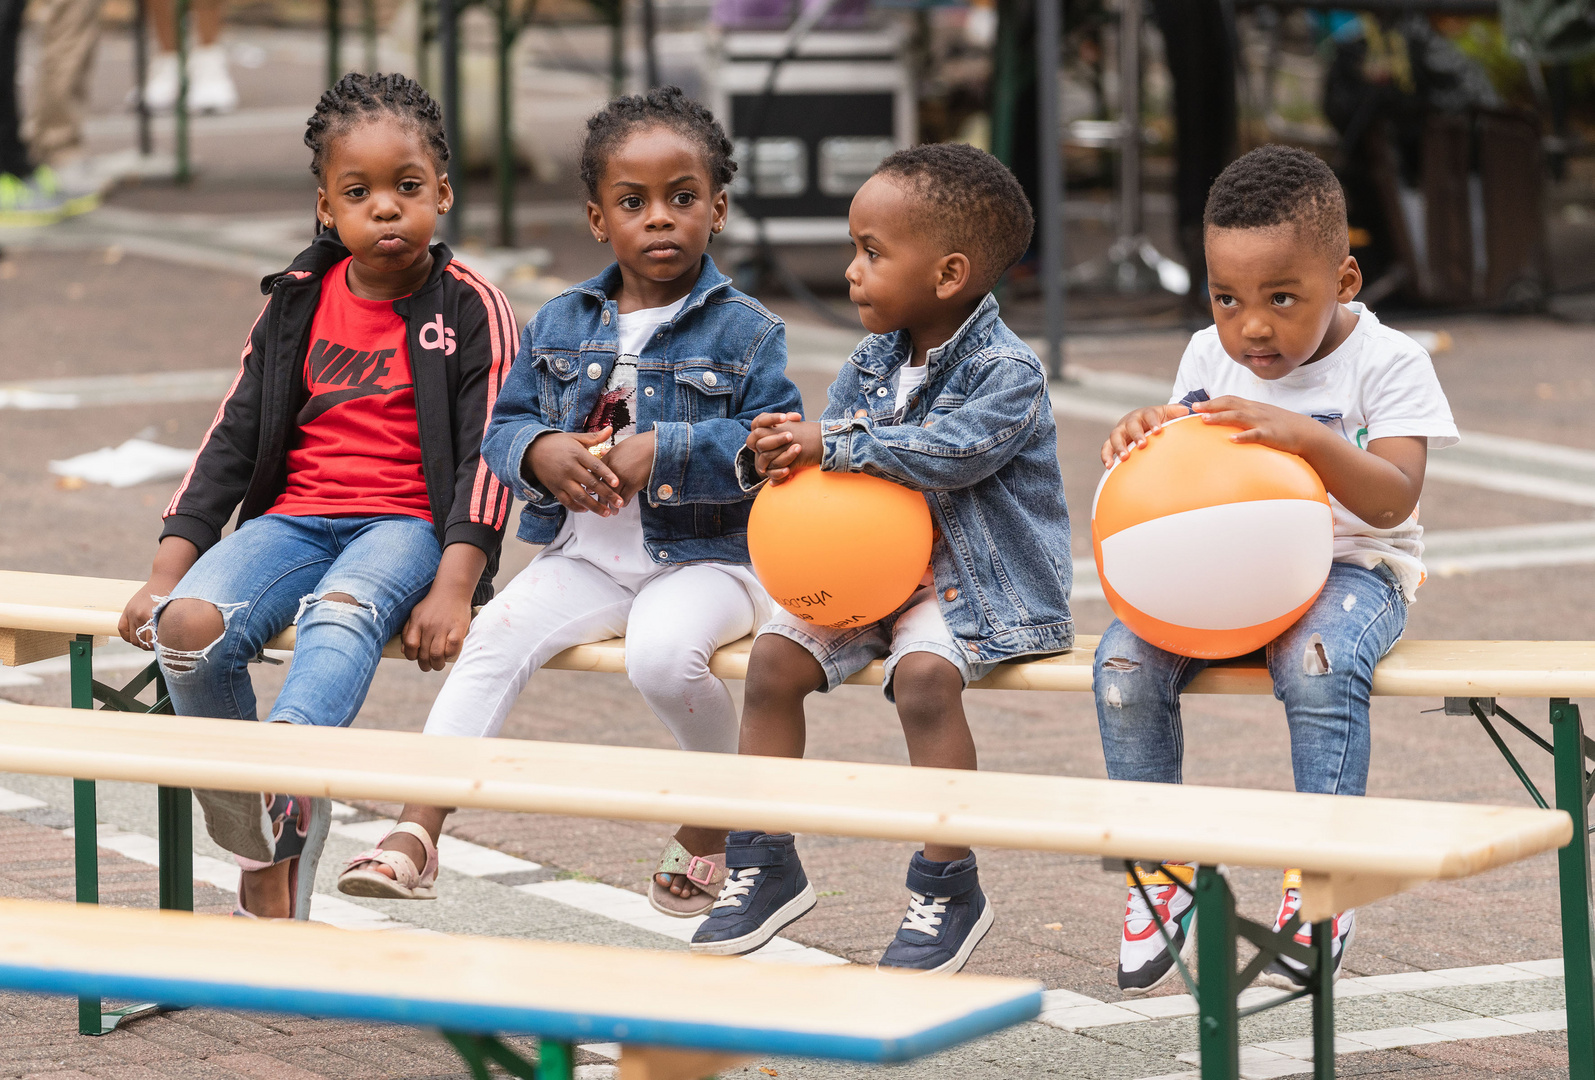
(701, 380)
(978, 439)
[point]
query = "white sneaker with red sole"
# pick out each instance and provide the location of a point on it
(1288, 974)
(1146, 958)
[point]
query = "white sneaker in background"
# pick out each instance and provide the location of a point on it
(160, 84)
(210, 87)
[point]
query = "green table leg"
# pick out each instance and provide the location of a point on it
(1572, 795)
(555, 1060)
(176, 813)
(1323, 977)
(1218, 1019)
(85, 819)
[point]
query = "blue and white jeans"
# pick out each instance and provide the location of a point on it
(275, 571)
(1323, 672)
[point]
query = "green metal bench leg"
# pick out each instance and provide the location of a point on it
(1217, 1010)
(85, 818)
(555, 1060)
(1572, 795)
(176, 812)
(1323, 977)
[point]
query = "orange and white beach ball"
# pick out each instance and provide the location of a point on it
(1210, 548)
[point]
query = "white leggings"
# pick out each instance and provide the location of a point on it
(673, 622)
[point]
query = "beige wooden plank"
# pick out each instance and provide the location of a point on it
(1319, 833)
(662, 1063)
(28, 646)
(850, 1000)
(77, 605)
(1323, 896)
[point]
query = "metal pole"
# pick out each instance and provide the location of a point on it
(649, 55)
(449, 42)
(1129, 119)
(1323, 988)
(334, 41)
(1049, 149)
(368, 26)
(184, 172)
(141, 72)
(617, 49)
(506, 136)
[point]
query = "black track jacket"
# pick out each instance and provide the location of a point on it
(462, 340)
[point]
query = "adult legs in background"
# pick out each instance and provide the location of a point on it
(13, 155)
(210, 87)
(1201, 58)
(71, 32)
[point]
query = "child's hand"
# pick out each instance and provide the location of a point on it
(562, 465)
(1267, 424)
(1135, 427)
(436, 628)
(632, 461)
(172, 560)
(764, 422)
(780, 448)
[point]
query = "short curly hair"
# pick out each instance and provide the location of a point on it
(1281, 185)
(664, 106)
(356, 97)
(970, 201)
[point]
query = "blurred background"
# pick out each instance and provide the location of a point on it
(1463, 130)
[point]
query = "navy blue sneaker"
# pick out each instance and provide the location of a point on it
(765, 890)
(947, 917)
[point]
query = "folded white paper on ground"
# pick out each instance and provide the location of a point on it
(136, 461)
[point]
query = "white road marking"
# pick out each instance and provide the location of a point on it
(1289, 1057)
(461, 856)
(1077, 1012)
(13, 801)
(631, 908)
(324, 908)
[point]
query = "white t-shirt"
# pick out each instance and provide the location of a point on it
(909, 379)
(614, 543)
(1378, 384)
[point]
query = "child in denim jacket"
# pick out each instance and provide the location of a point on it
(944, 399)
(618, 425)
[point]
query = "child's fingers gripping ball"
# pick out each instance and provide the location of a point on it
(1210, 548)
(839, 549)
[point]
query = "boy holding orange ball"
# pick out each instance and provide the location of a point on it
(1301, 367)
(944, 399)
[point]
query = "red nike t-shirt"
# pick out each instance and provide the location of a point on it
(357, 450)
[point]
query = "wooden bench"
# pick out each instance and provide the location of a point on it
(677, 1017)
(45, 615)
(1351, 851)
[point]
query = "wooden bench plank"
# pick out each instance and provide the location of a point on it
(1395, 842)
(581, 993)
(76, 605)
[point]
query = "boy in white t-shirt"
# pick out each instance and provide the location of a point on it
(1302, 368)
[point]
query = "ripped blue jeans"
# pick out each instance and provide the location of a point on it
(271, 573)
(1323, 672)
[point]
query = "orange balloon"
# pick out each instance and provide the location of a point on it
(839, 549)
(1210, 548)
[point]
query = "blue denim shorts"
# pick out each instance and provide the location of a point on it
(917, 626)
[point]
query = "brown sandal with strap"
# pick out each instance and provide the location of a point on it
(706, 872)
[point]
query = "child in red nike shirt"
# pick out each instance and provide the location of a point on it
(349, 445)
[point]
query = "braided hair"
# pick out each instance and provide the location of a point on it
(357, 97)
(665, 106)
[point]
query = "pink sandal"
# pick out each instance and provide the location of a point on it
(360, 876)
